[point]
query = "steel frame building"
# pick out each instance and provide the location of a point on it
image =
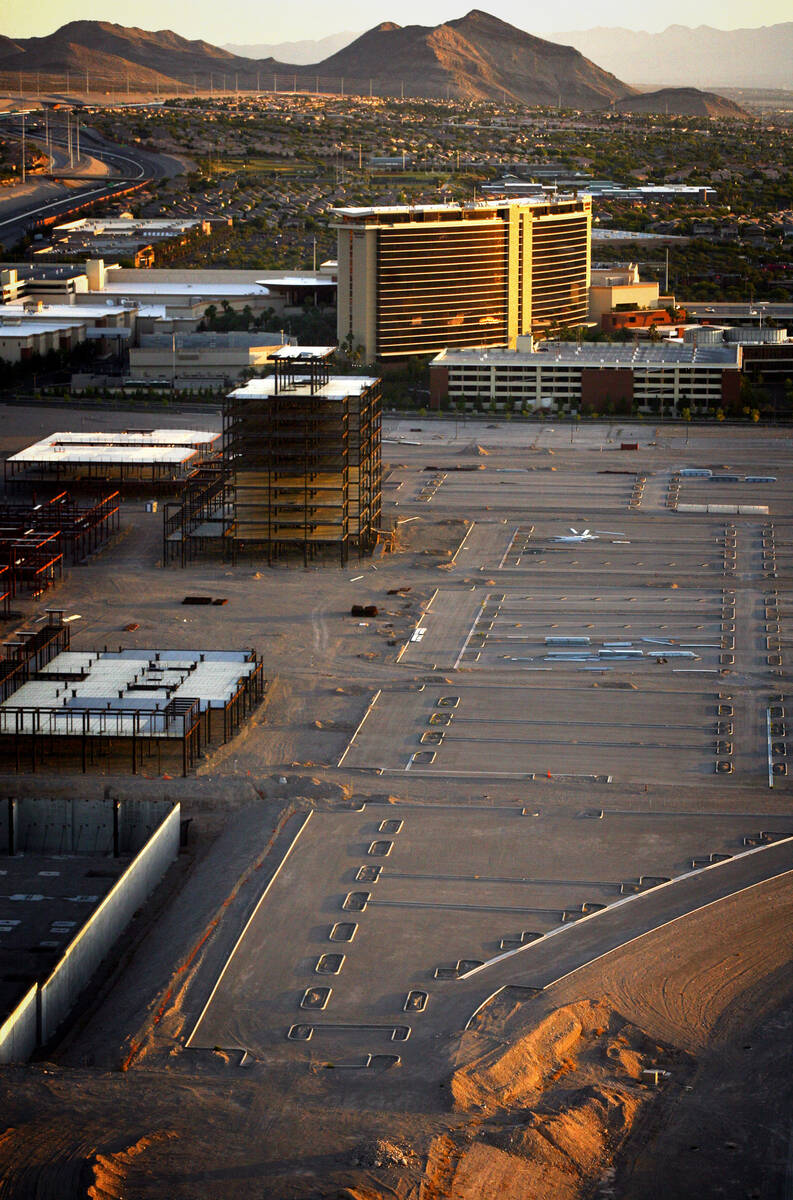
(146, 456)
(415, 280)
(301, 471)
(117, 710)
(201, 519)
(302, 448)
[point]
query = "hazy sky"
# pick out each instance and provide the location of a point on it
(240, 22)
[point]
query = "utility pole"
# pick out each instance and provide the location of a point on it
(77, 125)
(315, 256)
(23, 147)
(67, 83)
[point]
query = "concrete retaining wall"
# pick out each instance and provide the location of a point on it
(91, 944)
(75, 825)
(18, 1033)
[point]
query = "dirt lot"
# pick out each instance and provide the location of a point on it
(653, 1067)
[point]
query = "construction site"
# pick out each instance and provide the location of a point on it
(488, 879)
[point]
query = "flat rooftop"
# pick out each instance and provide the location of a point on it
(23, 328)
(29, 310)
(127, 446)
(183, 289)
(304, 353)
(760, 309)
(466, 208)
(336, 388)
(314, 281)
(596, 354)
(122, 225)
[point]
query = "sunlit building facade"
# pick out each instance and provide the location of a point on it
(414, 280)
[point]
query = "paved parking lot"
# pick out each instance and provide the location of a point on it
(582, 727)
(378, 912)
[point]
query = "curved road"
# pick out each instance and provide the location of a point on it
(19, 207)
(570, 947)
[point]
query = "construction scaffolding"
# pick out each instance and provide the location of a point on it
(302, 451)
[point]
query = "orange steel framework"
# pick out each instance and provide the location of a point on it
(36, 539)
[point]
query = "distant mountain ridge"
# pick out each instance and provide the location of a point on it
(687, 102)
(299, 53)
(700, 57)
(476, 57)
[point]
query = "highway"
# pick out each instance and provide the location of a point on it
(45, 197)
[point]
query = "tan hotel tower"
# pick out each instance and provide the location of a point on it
(414, 280)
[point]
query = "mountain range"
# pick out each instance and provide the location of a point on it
(475, 57)
(701, 57)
